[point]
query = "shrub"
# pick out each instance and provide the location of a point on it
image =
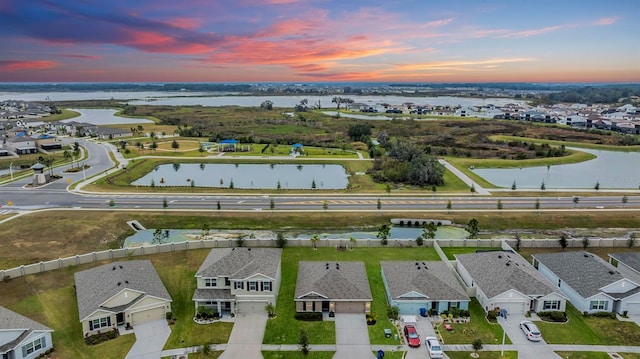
(553, 316)
(477, 344)
(309, 316)
(492, 315)
(610, 315)
(464, 313)
(169, 315)
(393, 312)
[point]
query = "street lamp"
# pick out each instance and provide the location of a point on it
(503, 315)
(11, 170)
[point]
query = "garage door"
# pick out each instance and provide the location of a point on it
(251, 307)
(511, 307)
(147, 315)
(350, 307)
(633, 308)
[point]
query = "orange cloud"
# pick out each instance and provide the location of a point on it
(159, 43)
(19, 65)
(461, 65)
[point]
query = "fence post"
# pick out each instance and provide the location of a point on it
(59, 263)
(1, 275)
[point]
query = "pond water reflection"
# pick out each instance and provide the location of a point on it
(247, 176)
(611, 169)
(145, 237)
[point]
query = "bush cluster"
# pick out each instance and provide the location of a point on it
(309, 316)
(101, 337)
(456, 312)
(610, 315)
(553, 316)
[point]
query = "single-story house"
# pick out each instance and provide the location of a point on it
(591, 283)
(412, 285)
(21, 337)
(238, 280)
(505, 280)
(119, 294)
(339, 287)
(628, 264)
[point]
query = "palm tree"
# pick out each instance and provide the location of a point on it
(353, 242)
(313, 240)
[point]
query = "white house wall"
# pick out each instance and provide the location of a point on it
(631, 305)
(33, 336)
(539, 304)
(513, 297)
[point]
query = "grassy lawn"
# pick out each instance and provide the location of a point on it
(487, 332)
(285, 329)
(483, 355)
(585, 355)
(566, 143)
(295, 355)
(590, 330)
(211, 355)
(450, 251)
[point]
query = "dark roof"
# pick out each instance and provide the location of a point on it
(631, 260)
(96, 285)
(240, 263)
(433, 279)
(212, 294)
(496, 272)
(333, 280)
(586, 273)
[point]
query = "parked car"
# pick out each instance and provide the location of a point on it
(433, 347)
(413, 339)
(531, 331)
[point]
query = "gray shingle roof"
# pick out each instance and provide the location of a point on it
(586, 273)
(491, 273)
(631, 260)
(12, 321)
(94, 286)
(240, 263)
(212, 294)
(334, 280)
(432, 278)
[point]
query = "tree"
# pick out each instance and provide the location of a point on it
(585, 242)
(419, 241)
(472, 228)
(337, 100)
(325, 205)
(543, 186)
(314, 240)
(205, 230)
(597, 186)
(240, 241)
(631, 241)
(272, 204)
(353, 242)
(201, 149)
(477, 344)
(513, 186)
(112, 203)
(387, 189)
(537, 205)
(625, 199)
(270, 309)
(576, 199)
(473, 188)
(499, 204)
(425, 170)
(383, 233)
(231, 186)
(563, 241)
(281, 240)
(218, 205)
(48, 162)
(175, 145)
(429, 230)
(518, 242)
(449, 205)
(379, 204)
(359, 132)
(304, 342)
(160, 236)
(313, 184)
(267, 105)
(165, 204)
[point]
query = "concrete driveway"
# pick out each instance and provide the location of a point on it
(352, 337)
(526, 349)
(425, 329)
(245, 341)
(150, 338)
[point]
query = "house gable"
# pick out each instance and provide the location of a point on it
(124, 297)
(621, 286)
(413, 295)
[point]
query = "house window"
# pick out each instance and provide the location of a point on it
(599, 305)
(453, 304)
(227, 282)
(33, 346)
(551, 305)
(238, 285)
(559, 282)
(103, 322)
(210, 282)
(253, 286)
(266, 286)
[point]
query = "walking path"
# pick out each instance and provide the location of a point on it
(468, 181)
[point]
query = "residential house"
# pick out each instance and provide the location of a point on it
(412, 285)
(238, 280)
(627, 263)
(21, 144)
(119, 294)
(505, 280)
(339, 287)
(21, 337)
(591, 283)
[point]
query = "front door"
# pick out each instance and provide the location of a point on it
(120, 319)
(325, 306)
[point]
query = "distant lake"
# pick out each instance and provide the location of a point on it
(612, 169)
(104, 117)
(178, 98)
(247, 176)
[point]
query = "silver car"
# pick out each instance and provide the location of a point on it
(531, 331)
(433, 347)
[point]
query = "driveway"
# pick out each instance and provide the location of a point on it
(526, 349)
(635, 318)
(245, 341)
(425, 329)
(352, 337)
(150, 338)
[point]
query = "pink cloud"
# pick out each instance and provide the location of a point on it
(606, 21)
(185, 23)
(19, 65)
(81, 56)
(158, 43)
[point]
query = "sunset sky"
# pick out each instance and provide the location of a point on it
(319, 40)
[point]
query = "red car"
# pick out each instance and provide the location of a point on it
(413, 339)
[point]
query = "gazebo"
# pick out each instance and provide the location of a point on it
(39, 177)
(228, 145)
(297, 147)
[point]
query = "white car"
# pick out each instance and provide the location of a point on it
(433, 347)
(531, 331)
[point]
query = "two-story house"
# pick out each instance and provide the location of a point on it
(238, 280)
